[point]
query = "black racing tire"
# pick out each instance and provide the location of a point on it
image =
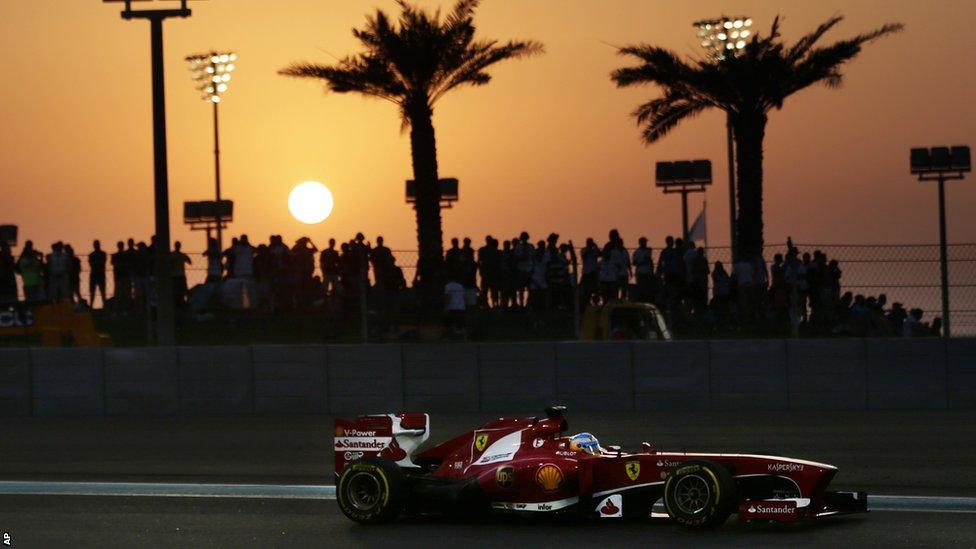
(700, 494)
(372, 490)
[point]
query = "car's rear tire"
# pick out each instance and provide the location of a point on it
(699, 494)
(372, 490)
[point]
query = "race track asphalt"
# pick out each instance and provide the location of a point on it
(905, 453)
(34, 521)
(928, 453)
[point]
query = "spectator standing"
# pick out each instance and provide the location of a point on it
(74, 274)
(590, 283)
(30, 266)
(644, 271)
(178, 263)
(121, 277)
(59, 281)
(489, 267)
(96, 272)
(721, 292)
(524, 254)
(243, 259)
(329, 263)
(538, 286)
(8, 277)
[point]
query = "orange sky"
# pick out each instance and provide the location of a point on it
(548, 145)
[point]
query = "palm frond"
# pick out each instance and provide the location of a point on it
(661, 119)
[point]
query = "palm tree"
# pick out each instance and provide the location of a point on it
(747, 86)
(412, 63)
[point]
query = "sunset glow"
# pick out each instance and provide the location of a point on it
(548, 146)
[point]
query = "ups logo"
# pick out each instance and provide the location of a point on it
(505, 476)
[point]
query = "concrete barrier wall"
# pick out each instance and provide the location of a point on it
(851, 374)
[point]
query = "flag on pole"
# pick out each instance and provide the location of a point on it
(699, 230)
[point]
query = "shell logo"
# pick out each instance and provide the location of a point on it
(549, 477)
(338, 431)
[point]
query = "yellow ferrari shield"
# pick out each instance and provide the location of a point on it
(480, 441)
(633, 469)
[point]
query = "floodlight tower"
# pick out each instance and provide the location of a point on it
(211, 71)
(942, 164)
(723, 38)
(165, 307)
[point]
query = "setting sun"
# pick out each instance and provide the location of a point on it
(310, 202)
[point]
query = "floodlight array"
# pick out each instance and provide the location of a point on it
(211, 72)
(724, 37)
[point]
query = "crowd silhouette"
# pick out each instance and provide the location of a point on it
(799, 292)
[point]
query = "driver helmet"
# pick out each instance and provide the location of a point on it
(584, 442)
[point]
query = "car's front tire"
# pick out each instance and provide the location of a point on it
(371, 490)
(700, 494)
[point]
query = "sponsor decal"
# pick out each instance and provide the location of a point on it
(667, 463)
(352, 456)
(507, 456)
(611, 507)
(11, 319)
(633, 469)
(354, 433)
(362, 443)
(481, 441)
(784, 467)
(457, 465)
(773, 508)
(537, 443)
(505, 476)
(543, 506)
(566, 454)
(393, 452)
(549, 477)
(664, 475)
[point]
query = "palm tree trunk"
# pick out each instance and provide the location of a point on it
(423, 148)
(750, 130)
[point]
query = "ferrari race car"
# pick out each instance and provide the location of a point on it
(530, 466)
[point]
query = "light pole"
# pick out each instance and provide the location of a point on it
(942, 164)
(722, 38)
(211, 71)
(165, 314)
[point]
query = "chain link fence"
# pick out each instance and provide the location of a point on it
(905, 273)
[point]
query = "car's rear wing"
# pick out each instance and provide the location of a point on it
(392, 436)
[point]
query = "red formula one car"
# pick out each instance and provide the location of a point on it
(529, 465)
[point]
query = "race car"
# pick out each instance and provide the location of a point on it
(529, 465)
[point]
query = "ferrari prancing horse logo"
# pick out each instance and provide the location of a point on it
(633, 469)
(480, 441)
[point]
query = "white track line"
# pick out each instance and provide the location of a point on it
(182, 490)
(292, 491)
